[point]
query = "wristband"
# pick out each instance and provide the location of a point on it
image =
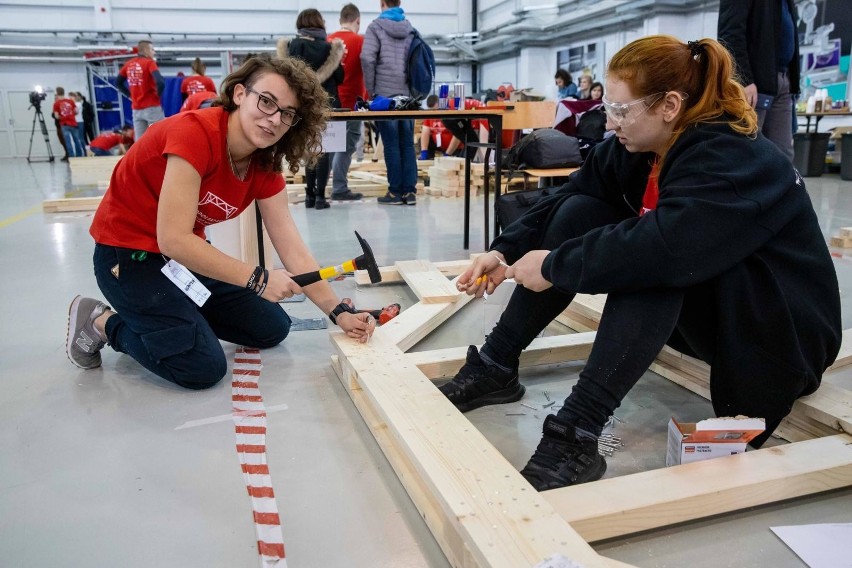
(339, 309)
(252, 281)
(261, 283)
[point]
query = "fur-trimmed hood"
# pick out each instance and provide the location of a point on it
(323, 57)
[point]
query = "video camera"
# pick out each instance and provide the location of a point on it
(36, 97)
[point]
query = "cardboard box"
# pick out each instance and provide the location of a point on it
(711, 438)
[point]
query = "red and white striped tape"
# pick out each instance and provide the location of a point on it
(249, 417)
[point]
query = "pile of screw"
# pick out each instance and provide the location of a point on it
(609, 443)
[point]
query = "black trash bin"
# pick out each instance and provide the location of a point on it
(809, 149)
(846, 156)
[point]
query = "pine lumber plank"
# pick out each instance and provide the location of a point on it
(390, 274)
(70, 204)
(427, 282)
(632, 503)
(418, 321)
(441, 364)
(489, 515)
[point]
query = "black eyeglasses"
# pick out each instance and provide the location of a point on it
(268, 107)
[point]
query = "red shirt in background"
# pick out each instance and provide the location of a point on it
(352, 86)
(194, 101)
(66, 110)
(127, 216)
(140, 81)
(196, 84)
(438, 132)
(110, 140)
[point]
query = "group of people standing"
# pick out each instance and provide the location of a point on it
(74, 117)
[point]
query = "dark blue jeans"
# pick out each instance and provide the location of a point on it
(634, 326)
(398, 139)
(167, 333)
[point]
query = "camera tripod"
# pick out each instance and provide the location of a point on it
(38, 116)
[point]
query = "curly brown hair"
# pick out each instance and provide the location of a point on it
(304, 140)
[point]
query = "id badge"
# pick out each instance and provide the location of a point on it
(186, 281)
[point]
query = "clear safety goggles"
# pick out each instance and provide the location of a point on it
(625, 114)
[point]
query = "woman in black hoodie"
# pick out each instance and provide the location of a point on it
(703, 236)
(325, 58)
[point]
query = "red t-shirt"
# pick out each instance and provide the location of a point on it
(127, 215)
(470, 104)
(110, 140)
(140, 81)
(196, 84)
(438, 132)
(353, 77)
(193, 101)
(652, 189)
(67, 111)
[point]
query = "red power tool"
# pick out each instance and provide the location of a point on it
(382, 316)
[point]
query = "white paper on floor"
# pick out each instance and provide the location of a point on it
(819, 546)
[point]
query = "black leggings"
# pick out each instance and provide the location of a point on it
(634, 326)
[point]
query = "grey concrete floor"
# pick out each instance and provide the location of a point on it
(97, 470)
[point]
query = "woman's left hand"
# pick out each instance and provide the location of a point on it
(357, 326)
(527, 271)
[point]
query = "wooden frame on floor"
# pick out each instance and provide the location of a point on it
(479, 508)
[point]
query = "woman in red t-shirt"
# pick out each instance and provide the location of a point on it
(189, 171)
(197, 83)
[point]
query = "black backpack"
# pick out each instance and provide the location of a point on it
(543, 148)
(592, 125)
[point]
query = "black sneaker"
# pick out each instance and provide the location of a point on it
(410, 198)
(391, 199)
(321, 204)
(347, 196)
(561, 459)
(478, 384)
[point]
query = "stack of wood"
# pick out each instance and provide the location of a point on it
(95, 170)
(446, 177)
(844, 239)
(366, 177)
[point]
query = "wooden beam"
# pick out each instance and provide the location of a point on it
(427, 282)
(70, 204)
(418, 321)
(651, 499)
(441, 364)
(482, 512)
(390, 274)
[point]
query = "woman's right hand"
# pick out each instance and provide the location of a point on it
(280, 286)
(484, 275)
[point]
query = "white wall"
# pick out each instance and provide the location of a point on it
(535, 67)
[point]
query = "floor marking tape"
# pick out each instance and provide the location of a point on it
(249, 416)
(229, 417)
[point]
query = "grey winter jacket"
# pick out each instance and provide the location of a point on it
(384, 57)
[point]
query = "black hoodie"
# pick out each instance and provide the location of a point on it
(735, 226)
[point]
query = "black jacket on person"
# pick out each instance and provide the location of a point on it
(735, 227)
(322, 56)
(750, 29)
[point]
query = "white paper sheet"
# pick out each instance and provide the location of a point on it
(819, 546)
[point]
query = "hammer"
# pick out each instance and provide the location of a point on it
(364, 262)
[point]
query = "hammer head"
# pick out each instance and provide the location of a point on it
(367, 261)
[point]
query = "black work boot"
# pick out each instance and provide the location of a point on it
(562, 459)
(479, 384)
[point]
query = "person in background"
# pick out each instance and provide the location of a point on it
(565, 84)
(112, 143)
(596, 91)
(585, 87)
(384, 62)
(78, 116)
(189, 171)
(761, 36)
(702, 235)
(64, 110)
(349, 90)
(201, 99)
(141, 81)
(198, 82)
(325, 58)
(434, 136)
